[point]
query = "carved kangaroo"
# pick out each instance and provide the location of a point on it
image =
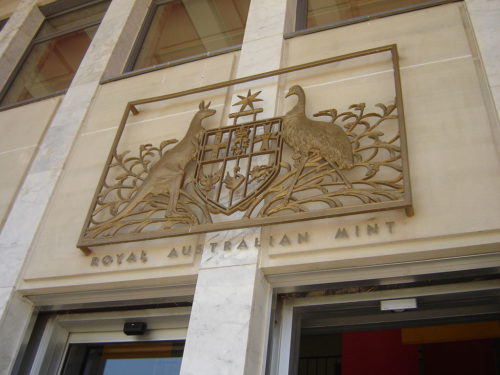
(167, 174)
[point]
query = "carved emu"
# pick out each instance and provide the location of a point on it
(304, 136)
(167, 174)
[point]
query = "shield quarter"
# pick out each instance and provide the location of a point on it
(236, 163)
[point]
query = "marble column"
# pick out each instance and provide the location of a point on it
(17, 35)
(229, 321)
(484, 16)
(33, 197)
(230, 314)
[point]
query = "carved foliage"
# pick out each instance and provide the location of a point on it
(376, 174)
(284, 187)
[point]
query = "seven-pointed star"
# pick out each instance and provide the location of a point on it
(248, 100)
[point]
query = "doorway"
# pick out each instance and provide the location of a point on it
(458, 349)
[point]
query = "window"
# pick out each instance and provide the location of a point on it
(55, 54)
(145, 358)
(71, 343)
(180, 29)
(315, 13)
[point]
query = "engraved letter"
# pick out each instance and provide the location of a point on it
(257, 242)
(242, 245)
(173, 253)
(357, 231)
(94, 262)
(144, 257)
(390, 225)
(107, 260)
(131, 258)
(341, 233)
(186, 250)
(213, 245)
(285, 241)
(303, 237)
(372, 229)
(199, 249)
(119, 258)
(227, 245)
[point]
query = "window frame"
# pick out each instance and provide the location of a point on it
(54, 333)
(301, 17)
(49, 11)
(292, 304)
(2, 23)
(136, 49)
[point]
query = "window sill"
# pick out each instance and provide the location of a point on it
(171, 63)
(32, 100)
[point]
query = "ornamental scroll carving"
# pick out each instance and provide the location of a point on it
(254, 172)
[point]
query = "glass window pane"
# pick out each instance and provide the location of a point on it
(141, 358)
(321, 12)
(50, 66)
(183, 28)
(73, 19)
(143, 366)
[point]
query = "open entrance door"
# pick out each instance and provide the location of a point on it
(419, 328)
(458, 349)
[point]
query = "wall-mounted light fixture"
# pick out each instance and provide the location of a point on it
(398, 305)
(134, 328)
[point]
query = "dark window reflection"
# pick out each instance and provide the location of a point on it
(181, 28)
(124, 359)
(55, 54)
(322, 12)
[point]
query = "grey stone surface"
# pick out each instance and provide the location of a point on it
(39, 184)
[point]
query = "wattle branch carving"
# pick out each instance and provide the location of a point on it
(317, 183)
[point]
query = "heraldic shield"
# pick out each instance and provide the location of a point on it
(236, 163)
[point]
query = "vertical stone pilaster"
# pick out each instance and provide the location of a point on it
(484, 16)
(232, 302)
(33, 197)
(230, 315)
(229, 318)
(17, 35)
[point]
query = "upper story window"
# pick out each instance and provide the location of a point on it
(315, 13)
(180, 29)
(54, 55)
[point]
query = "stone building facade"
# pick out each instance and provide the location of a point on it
(244, 297)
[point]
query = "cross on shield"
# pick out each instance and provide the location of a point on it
(236, 163)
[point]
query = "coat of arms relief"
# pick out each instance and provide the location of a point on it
(255, 171)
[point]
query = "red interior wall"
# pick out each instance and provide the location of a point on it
(378, 352)
(460, 358)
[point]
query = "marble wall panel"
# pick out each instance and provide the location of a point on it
(221, 343)
(422, 36)
(445, 124)
(112, 98)
(7, 8)
(484, 15)
(24, 126)
(56, 257)
(453, 168)
(13, 166)
(22, 129)
(15, 322)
